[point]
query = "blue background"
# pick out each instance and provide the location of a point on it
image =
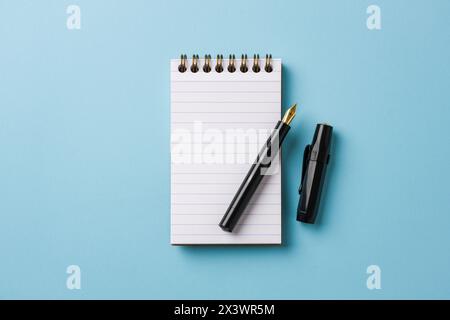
(84, 148)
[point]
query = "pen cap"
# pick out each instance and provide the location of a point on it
(315, 161)
(320, 146)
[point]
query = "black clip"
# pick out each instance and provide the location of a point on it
(306, 155)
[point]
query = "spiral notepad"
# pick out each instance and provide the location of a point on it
(222, 110)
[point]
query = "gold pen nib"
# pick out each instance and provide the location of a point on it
(290, 114)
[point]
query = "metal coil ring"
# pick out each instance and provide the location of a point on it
(219, 63)
(268, 65)
(194, 67)
(207, 66)
(256, 67)
(244, 67)
(231, 63)
(183, 62)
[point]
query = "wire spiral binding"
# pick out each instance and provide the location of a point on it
(194, 67)
(232, 61)
(244, 68)
(268, 65)
(207, 66)
(219, 67)
(256, 67)
(183, 62)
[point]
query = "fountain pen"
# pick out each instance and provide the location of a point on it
(257, 172)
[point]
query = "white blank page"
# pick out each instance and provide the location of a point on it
(212, 117)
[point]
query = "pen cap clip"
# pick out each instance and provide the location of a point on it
(306, 155)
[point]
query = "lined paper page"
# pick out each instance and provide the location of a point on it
(219, 121)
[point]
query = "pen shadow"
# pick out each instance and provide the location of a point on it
(291, 158)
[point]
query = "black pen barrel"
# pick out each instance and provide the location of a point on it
(257, 171)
